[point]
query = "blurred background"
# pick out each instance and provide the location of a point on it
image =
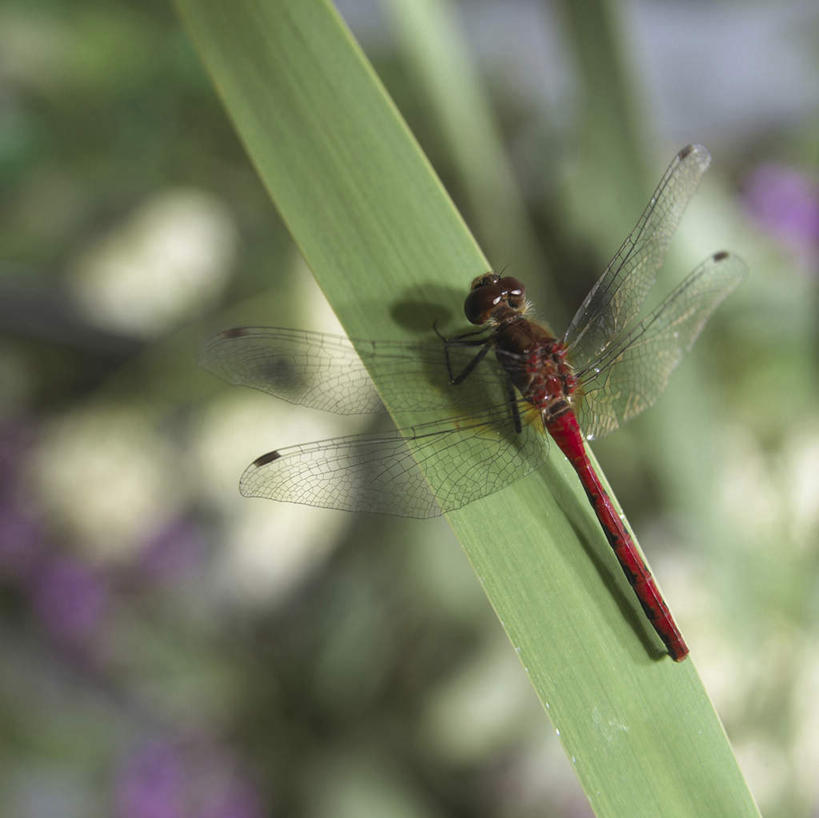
(171, 649)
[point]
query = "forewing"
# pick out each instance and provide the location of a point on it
(633, 370)
(328, 372)
(615, 300)
(464, 458)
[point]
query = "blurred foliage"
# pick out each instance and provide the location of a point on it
(167, 644)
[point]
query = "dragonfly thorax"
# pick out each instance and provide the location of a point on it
(550, 379)
(536, 364)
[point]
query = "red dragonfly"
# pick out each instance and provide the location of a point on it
(608, 366)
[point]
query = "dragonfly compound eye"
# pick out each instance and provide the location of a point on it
(484, 280)
(514, 292)
(482, 300)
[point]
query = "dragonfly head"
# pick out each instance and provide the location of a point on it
(491, 296)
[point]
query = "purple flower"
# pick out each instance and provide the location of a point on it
(173, 551)
(228, 795)
(165, 780)
(152, 784)
(20, 541)
(785, 203)
(20, 529)
(70, 599)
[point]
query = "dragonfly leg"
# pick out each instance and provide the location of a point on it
(464, 340)
(469, 368)
(513, 405)
(459, 338)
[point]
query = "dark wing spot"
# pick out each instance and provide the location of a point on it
(721, 256)
(235, 332)
(685, 151)
(266, 458)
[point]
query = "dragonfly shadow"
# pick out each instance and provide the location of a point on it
(589, 534)
(415, 374)
(437, 305)
(421, 315)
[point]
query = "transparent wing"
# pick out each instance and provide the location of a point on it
(615, 300)
(634, 368)
(328, 371)
(465, 458)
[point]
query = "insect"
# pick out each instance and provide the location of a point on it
(609, 365)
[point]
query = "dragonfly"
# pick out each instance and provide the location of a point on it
(612, 362)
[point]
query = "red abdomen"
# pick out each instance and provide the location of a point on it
(565, 431)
